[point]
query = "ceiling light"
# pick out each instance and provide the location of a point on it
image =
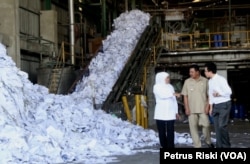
(196, 1)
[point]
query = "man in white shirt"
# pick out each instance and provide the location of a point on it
(219, 93)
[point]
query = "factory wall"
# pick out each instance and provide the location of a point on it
(62, 24)
(48, 26)
(30, 38)
(30, 63)
(29, 28)
(9, 28)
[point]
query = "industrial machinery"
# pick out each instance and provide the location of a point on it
(130, 79)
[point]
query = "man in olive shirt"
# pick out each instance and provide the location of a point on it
(196, 106)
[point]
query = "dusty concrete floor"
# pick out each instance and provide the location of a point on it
(239, 136)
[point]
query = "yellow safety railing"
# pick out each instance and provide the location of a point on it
(66, 55)
(201, 41)
(62, 58)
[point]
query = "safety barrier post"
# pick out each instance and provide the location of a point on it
(126, 108)
(142, 110)
(138, 108)
(145, 116)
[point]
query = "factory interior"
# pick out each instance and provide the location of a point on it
(54, 42)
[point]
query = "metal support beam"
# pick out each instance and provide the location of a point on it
(104, 19)
(126, 5)
(85, 36)
(115, 9)
(133, 4)
(72, 31)
(47, 4)
(140, 4)
(229, 15)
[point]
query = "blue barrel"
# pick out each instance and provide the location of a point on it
(241, 111)
(235, 111)
(219, 38)
(216, 44)
(232, 112)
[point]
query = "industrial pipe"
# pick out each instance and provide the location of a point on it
(72, 31)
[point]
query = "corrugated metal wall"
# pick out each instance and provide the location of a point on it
(29, 17)
(63, 24)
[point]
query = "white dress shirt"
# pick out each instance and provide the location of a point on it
(220, 85)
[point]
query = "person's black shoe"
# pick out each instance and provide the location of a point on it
(210, 145)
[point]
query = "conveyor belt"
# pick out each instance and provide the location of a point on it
(134, 65)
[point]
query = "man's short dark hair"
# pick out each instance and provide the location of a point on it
(211, 66)
(195, 67)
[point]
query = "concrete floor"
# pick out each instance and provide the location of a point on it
(239, 136)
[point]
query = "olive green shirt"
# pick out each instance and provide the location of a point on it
(196, 90)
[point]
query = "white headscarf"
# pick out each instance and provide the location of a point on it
(166, 105)
(161, 78)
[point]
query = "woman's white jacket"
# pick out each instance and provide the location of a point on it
(166, 106)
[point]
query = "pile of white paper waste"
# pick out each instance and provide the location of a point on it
(39, 127)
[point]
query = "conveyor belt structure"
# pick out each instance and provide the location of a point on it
(134, 65)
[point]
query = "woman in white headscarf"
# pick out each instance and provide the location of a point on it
(166, 109)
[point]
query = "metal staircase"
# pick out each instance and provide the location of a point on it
(56, 72)
(54, 80)
(62, 73)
